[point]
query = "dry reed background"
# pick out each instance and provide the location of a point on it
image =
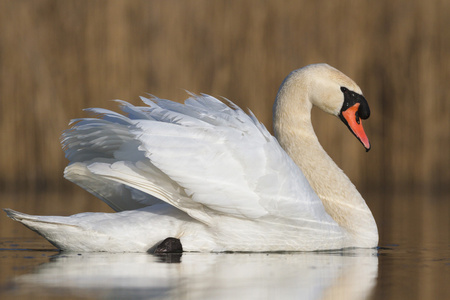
(58, 57)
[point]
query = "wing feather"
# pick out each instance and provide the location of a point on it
(204, 157)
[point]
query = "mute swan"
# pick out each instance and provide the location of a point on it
(213, 177)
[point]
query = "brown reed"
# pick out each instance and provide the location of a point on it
(57, 57)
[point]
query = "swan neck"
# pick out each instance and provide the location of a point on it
(294, 131)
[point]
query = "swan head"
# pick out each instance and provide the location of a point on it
(333, 92)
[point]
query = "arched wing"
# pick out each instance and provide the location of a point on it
(207, 158)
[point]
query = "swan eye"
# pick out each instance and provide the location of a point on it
(349, 92)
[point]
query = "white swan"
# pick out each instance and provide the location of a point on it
(213, 177)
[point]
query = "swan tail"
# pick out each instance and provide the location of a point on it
(18, 216)
(36, 222)
(52, 229)
(81, 232)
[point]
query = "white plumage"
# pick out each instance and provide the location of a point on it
(203, 171)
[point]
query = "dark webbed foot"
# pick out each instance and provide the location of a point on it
(169, 245)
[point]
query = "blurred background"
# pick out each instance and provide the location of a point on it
(58, 57)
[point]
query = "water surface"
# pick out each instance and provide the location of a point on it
(413, 262)
(350, 273)
(32, 267)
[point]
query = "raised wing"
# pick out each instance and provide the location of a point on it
(204, 157)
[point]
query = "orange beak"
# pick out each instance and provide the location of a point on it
(354, 124)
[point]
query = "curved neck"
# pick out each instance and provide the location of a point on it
(294, 131)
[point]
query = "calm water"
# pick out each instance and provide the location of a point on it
(413, 262)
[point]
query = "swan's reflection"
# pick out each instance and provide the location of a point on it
(337, 275)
